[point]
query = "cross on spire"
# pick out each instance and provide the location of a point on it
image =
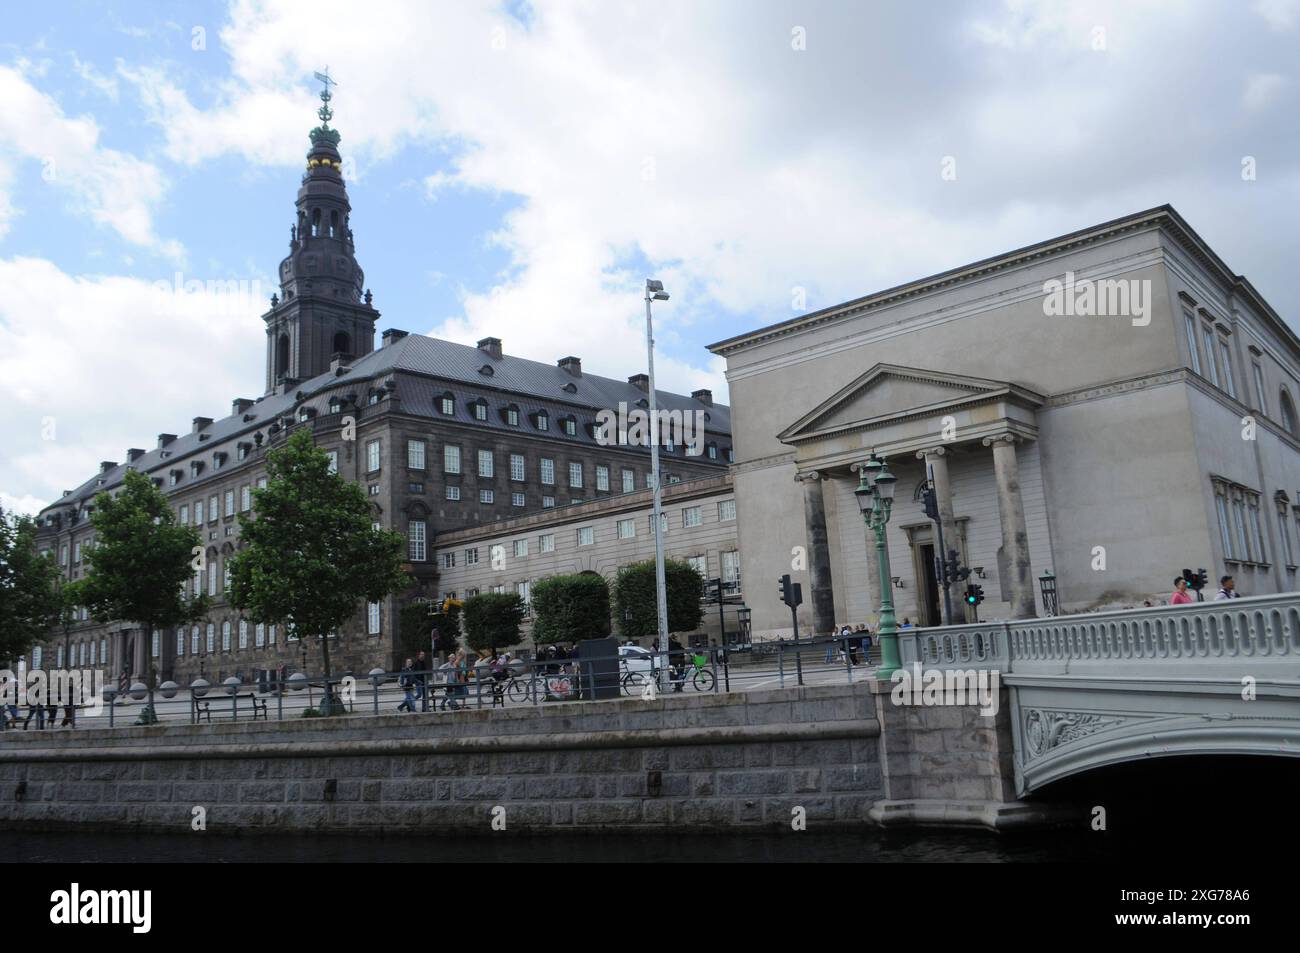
(325, 113)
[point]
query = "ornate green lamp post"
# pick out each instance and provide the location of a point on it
(875, 495)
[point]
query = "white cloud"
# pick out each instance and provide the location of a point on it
(112, 188)
(1280, 15)
(1262, 90)
(90, 366)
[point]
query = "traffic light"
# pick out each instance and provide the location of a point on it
(791, 592)
(974, 594)
(930, 503)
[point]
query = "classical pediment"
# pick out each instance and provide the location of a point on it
(888, 393)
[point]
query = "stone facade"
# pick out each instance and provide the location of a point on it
(1114, 449)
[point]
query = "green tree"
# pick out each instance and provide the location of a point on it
(138, 565)
(634, 598)
(30, 597)
(310, 554)
(570, 608)
(418, 621)
(492, 619)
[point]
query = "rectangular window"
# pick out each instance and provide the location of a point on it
(259, 635)
(270, 634)
(334, 460)
(213, 512)
(691, 516)
(471, 557)
(198, 513)
(63, 555)
(212, 638)
(243, 635)
(194, 640)
(486, 496)
(230, 503)
(517, 467)
(372, 456)
(1243, 540)
(415, 454)
(548, 472)
(548, 502)
(731, 567)
(543, 422)
(726, 511)
(602, 478)
(1191, 340)
(447, 405)
(1225, 352)
(453, 493)
(212, 578)
(497, 556)
(372, 618)
(629, 481)
(185, 514)
(261, 483)
(1284, 532)
(245, 498)
(415, 488)
(586, 535)
(575, 475)
(155, 646)
(486, 464)
(373, 489)
(522, 590)
(480, 411)
(663, 521)
(546, 543)
(512, 417)
(450, 459)
(521, 548)
(626, 529)
(76, 552)
(1211, 360)
(517, 499)
(448, 560)
(225, 636)
(1224, 532)
(1256, 531)
(700, 564)
(415, 540)
(1259, 386)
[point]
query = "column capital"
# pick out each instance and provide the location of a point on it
(1010, 438)
(810, 476)
(931, 452)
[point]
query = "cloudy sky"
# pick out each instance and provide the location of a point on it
(517, 169)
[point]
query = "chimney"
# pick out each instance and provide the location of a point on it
(571, 364)
(200, 423)
(239, 405)
(134, 454)
(640, 381)
(491, 347)
(392, 336)
(164, 439)
(106, 465)
(705, 397)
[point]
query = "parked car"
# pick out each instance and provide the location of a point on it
(633, 658)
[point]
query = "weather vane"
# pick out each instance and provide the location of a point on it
(325, 113)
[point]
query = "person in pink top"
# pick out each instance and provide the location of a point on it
(1181, 594)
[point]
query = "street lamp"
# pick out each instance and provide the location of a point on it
(654, 291)
(875, 496)
(1047, 585)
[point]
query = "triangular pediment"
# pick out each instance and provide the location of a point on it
(890, 391)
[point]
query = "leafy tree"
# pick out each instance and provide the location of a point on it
(311, 555)
(634, 598)
(492, 619)
(30, 587)
(138, 566)
(570, 608)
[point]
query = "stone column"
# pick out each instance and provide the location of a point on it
(1015, 537)
(819, 553)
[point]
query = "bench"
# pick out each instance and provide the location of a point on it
(202, 707)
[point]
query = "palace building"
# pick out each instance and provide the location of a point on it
(447, 438)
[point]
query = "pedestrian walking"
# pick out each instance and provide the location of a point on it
(1181, 595)
(422, 667)
(1227, 589)
(406, 680)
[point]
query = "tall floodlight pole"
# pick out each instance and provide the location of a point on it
(654, 291)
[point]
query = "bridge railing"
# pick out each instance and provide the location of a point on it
(1188, 639)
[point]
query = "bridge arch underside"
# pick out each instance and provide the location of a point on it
(1062, 734)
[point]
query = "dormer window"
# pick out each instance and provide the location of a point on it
(218, 461)
(479, 409)
(541, 420)
(306, 414)
(643, 403)
(447, 404)
(196, 467)
(241, 451)
(373, 398)
(336, 405)
(712, 451)
(486, 370)
(571, 426)
(570, 388)
(173, 477)
(512, 416)
(731, 455)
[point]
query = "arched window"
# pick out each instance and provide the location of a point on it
(334, 224)
(342, 343)
(282, 356)
(1288, 413)
(315, 223)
